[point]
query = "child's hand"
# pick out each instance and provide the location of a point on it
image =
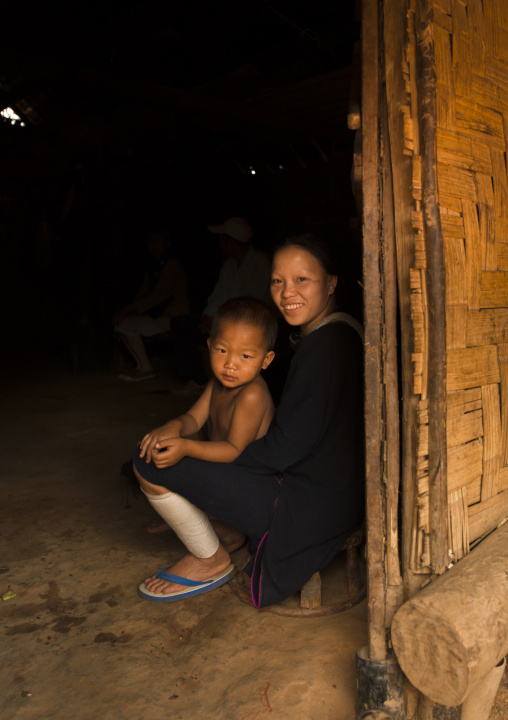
(168, 451)
(147, 444)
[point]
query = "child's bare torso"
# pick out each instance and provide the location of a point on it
(224, 402)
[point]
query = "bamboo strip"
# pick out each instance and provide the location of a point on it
(491, 440)
(472, 367)
(463, 401)
(502, 257)
(456, 288)
(457, 154)
(459, 183)
(482, 123)
(473, 258)
(476, 35)
(445, 97)
(486, 210)
(443, 20)
(461, 429)
(450, 202)
(481, 155)
(461, 50)
(465, 465)
(453, 226)
(502, 350)
(464, 428)
(458, 523)
(502, 484)
(488, 92)
(486, 515)
(494, 290)
(487, 327)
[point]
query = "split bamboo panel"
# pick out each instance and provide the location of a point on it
(471, 58)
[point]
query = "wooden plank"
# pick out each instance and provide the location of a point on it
(487, 327)
(502, 350)
(494, 290)
(472, 367)
(485, 516)
(473, 255)
(491, 440)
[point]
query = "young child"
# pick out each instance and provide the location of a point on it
(236, 401)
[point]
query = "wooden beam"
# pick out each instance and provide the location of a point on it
(450, 635)
(202, 109)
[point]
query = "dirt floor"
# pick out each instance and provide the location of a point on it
(78, 641)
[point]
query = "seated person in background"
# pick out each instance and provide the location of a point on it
(236, 401)
(162, 296)
(245, 271)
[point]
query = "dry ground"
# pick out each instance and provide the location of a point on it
(77, 640)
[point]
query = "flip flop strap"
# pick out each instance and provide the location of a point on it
(180, 580)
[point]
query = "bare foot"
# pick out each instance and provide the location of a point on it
(157, 527)
(191, 568)
(229, 537)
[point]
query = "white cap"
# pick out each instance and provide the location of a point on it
(236, 228)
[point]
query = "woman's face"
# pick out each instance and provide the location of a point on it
(301, 287)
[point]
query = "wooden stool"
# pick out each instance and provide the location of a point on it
(310, 594)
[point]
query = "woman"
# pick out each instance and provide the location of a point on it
(298, 492)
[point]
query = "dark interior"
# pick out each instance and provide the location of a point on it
(164, 114)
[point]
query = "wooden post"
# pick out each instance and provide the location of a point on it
(435, 283)
(394, 36)
(372, 322)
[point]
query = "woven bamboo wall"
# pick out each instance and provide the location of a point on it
(471, 53)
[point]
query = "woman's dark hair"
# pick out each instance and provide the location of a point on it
(316, 246)
(248, 311)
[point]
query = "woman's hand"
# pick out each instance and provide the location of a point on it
(168, 452)
(168, 431)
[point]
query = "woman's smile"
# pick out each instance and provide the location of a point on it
(301, 287)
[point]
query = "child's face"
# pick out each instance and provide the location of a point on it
(238, 353)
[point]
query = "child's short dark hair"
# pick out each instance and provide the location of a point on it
(249, 311)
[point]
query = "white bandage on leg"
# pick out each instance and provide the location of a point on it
(192, 525)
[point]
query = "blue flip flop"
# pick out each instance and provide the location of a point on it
(195, 587)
